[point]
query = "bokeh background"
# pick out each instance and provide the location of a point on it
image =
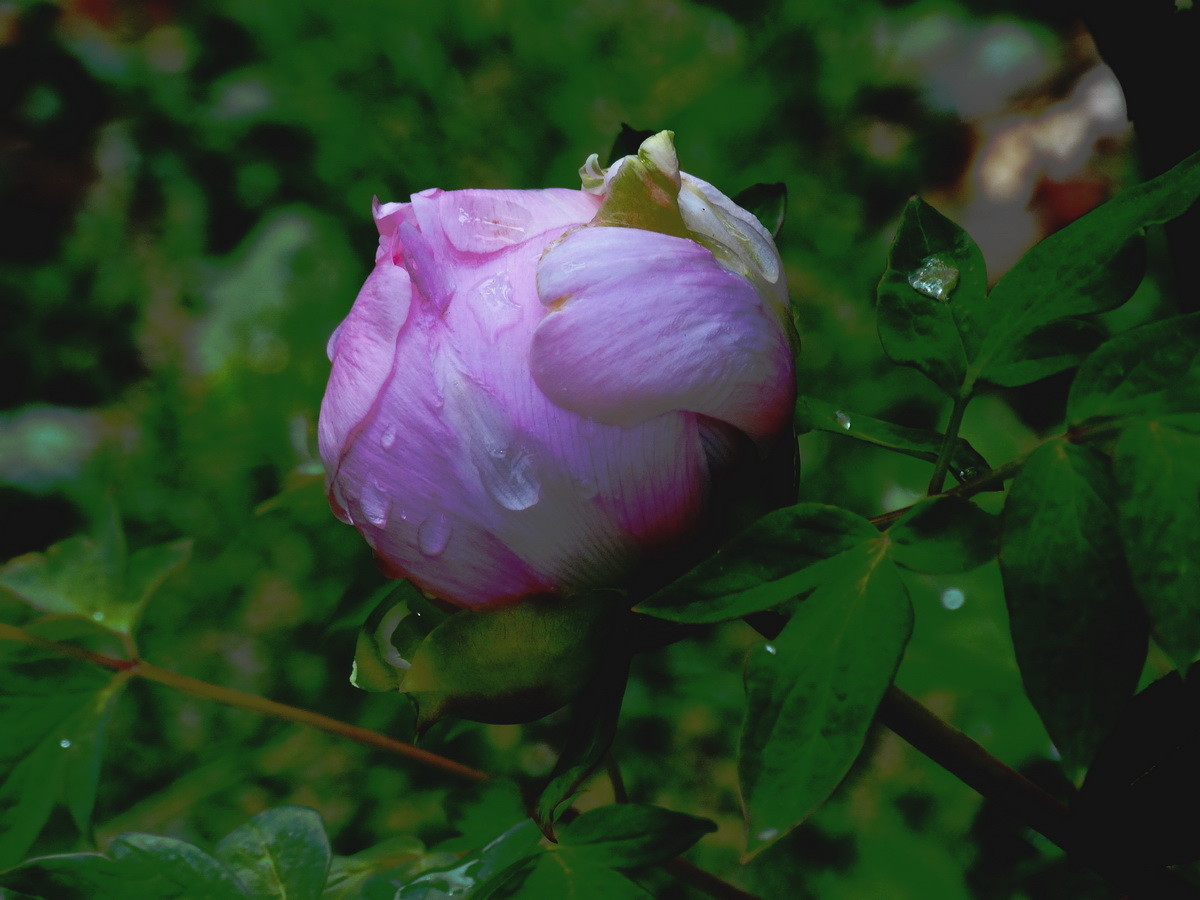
(185, 192)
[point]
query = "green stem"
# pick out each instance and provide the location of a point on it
(680, 868)
(242, 700)
(949, 442)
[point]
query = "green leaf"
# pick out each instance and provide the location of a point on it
(94, 577)
(1092, 265)
(1153, 370)
(282, 853)
(627, 835)
(568, 875)
(1158, 481)
(512, 664)
(594, 717)
(943, 536)
(767, 203)
(137, 865)
(1078, 631)
(773, 561)
(965, 462)
(1055, 348)
(812, 692)
(483, 872)
(395, 860)
(53, 713)
(935, 275)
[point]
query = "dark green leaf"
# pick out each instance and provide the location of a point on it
(594, 717)
(481, 872)
(627, 835)
(935, 275)
(811, 693)
(139, 866)
(1078, 631)
(965, 463)
(1092, 265)
(769, 563)
(282, 853)
(1158, 479)
(1148, 371)
(569, 875)
(52, 716)
(395, 860)
(1049, 350)
(767, 203)
(1143, 788)
(94, 577)
(944, 535)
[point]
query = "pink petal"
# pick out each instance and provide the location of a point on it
(361, 350)
(480, 222)
(643, 323)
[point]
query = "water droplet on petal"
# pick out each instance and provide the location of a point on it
(488, 224)
(768, 834)
(507, 472)
(433, 534)
(388, 439)
(935, 278)
(341, 507)
(375, 502)
(64, 743)
(586, 487)
(953, 598)
(493, 305)
(843, 419)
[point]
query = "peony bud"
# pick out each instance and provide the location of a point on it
(534, 389)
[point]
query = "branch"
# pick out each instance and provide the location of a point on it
(679, 867)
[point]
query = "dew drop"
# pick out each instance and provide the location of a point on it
(494, 307)
(433, 534)
(953, 598)
(388, 440)
(341, 507)
(843, 419)
(484, 227)
(97, 616)
(65, 744)
(375, 503)
(770, 648)
(935, 278)
(507, 472)
(768, 834)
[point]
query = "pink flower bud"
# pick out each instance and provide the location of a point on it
(534, 389)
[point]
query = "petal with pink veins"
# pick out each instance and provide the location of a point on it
(641, 324)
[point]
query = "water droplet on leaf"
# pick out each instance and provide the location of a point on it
(935, 278)
(770, 648)
(768, 834)
(97, 616)
(843, 419)
(65, 744)
(433, 534)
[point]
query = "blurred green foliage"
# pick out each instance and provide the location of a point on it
(185, 192)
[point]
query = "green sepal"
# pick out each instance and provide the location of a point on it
(511, 664)
(644, 193)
